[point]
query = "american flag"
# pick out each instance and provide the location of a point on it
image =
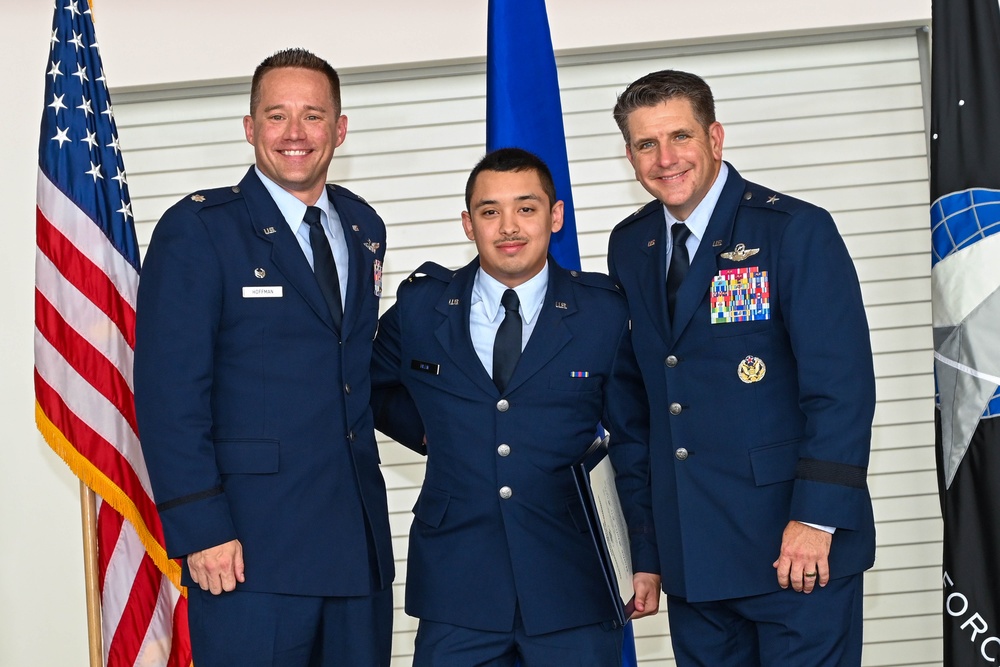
(86, 274)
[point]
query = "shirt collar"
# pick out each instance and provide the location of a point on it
(291, 207)
(697, 222)
(530, 293)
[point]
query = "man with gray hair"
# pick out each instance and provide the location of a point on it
(748, 323)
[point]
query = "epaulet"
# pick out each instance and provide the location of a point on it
(593, 279)
(432, 270)
(759, 196)
(641, 212)
(212, 197)
(344, 192)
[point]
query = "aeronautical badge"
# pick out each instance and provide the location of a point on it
(198, 198)
(751, 369)
(377, 269)
(371, 245)
(740, 253)
(740, 295)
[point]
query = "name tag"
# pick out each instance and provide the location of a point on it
(425, 367)
(262, 292)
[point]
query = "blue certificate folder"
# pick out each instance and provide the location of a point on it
(595, 484)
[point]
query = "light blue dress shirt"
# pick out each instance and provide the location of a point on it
(293, 210)
(486, 312)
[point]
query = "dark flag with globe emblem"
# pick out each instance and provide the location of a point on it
(965, 277)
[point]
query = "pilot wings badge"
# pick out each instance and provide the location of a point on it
(740, 253)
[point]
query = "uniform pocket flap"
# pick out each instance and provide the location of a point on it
(431, 506)
(247, 456)
(774, 463)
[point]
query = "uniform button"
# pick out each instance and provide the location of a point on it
(503, 405)
(505, 492)
(681, 454)
(350, 436)
(503, 450)
(671, 361)
(675, 408)
(347, 389)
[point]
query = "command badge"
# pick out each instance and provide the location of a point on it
(751, 369)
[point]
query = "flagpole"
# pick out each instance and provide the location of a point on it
(88, 516)
(88, 513)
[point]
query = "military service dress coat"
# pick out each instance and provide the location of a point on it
(498, 524)
(761, 390)
(253, 409)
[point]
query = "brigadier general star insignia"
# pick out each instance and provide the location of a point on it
(740, 253)
(198, 198)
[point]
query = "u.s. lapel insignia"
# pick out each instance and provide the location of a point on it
(740, 253)
(198, 198)
(561, 305)
(270, 230)
(717, 243)
(377, 270)
(751, 369)
(772, 199)
(355, 228)
(260, 273)
(371, 245)
(651, 243)
(452, 302)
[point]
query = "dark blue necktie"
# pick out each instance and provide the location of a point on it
(507, 345)
(679, 263)
(323, 265)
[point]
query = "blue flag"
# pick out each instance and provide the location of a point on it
(523, 110)
(522, 102)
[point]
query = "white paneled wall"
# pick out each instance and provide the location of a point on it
(837, 120)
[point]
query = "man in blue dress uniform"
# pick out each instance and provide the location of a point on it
(748, 325)
(511, 363)
(256, 312)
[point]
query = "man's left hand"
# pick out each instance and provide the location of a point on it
(647, 594)
(803, 561)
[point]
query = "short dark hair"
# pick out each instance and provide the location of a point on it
(659, 87)
(512, 159)
(295, 58)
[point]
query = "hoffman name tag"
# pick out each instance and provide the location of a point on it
(262, 292)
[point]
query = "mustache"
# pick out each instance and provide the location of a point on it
(511, 239)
